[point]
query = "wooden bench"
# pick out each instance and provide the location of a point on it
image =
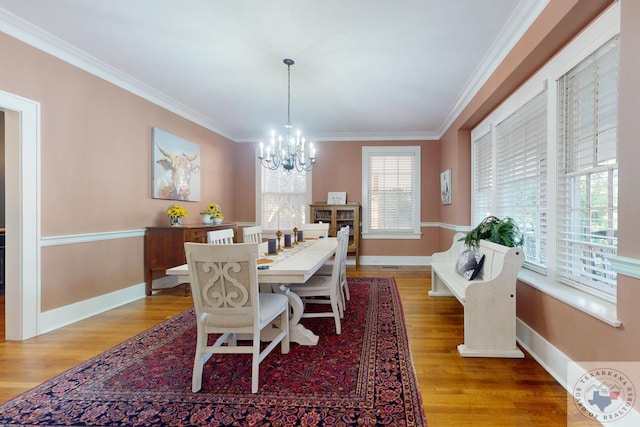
(489, 300)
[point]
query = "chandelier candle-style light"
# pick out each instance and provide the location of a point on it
(291, 150)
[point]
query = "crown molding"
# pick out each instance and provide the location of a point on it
(525, 14)
(32, 35)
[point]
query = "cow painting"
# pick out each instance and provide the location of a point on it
(176, 168)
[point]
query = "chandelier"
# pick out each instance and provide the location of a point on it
(291, 150)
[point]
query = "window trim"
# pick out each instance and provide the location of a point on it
(367, 151)
(566, 249)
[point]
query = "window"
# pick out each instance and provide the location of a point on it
(588, 170)
(284, 198)
(521, 174)
(510, 174)
(567, 208)
(391, 192)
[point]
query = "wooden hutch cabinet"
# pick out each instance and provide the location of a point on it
(164, 247)
(338, 216)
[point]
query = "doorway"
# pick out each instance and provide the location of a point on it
(2, 227)
(22, 215)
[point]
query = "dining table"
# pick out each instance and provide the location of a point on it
(293, 264)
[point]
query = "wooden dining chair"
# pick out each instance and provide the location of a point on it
(324, 290)
(220, 237)
(252, 234)
(315, 230)
(224, 285)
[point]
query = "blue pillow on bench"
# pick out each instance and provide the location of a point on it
(469, 264)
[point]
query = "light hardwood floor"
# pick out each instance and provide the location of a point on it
(455, 391)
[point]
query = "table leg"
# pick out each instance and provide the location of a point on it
(297, 332)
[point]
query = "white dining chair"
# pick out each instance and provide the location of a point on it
(224, 285)
(220, 237)
(327, 268)
(252, 234)
(315, 230)
(323, 290)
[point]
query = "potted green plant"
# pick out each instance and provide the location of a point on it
(503, 231)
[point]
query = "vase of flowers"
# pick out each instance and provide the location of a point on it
(211, 214)
(217, 218)
(175, 213)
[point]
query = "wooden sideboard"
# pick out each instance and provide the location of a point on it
(164, 247)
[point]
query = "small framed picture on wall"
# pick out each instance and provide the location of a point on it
(445, 187)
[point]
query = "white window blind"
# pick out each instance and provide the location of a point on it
(521, 174)
(588, 170)
(391, 188)
(284, 199)
(483, 178)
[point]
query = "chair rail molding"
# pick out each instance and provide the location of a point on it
(461, 228)
(90, 237)
(624, 265)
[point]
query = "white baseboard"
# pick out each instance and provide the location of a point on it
(552, 360)
(556, 364)
(59, 317)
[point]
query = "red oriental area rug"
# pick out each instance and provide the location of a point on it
(362, 377)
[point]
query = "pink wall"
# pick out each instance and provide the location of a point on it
(339, 168)
(245, 178)
(96, 171)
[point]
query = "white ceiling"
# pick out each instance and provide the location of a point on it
(365, 69)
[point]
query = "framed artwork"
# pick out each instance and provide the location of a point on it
(337, 198)
(445, 187)
(175, 167)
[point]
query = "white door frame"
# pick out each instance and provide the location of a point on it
(22, 205)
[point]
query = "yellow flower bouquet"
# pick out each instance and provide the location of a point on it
(211, 214)
(176, 212)
(211, 209)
